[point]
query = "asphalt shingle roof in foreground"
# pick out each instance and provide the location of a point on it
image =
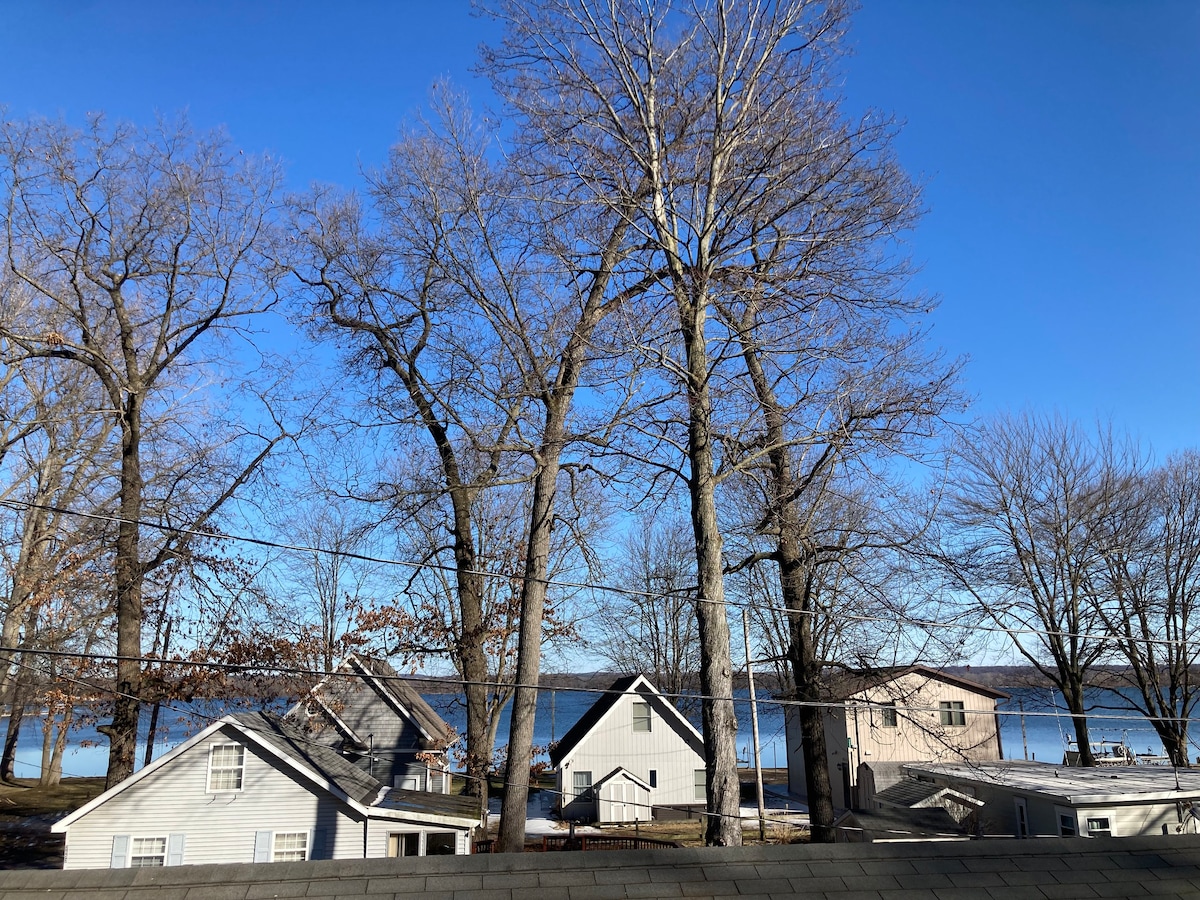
(993, 869)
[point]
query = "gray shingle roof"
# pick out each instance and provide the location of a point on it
(990, 870)
(405, 695)
(292, 743)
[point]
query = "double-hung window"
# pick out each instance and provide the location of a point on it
(701, 781)
(226, 764)
(583, 784)
(641, 716)
(951, 712)
(290, 846)
(147, 852)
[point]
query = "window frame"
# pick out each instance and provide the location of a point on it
(400, 838)
(135, 855)
(224, 770)
(1062, 826)
(426, 835)
(952, 713)
(276, 850)
(700, 783)
(646, 720)
(1098, 815)
(581, 792)
(888, 716)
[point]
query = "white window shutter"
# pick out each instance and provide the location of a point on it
(262, 846)
(175, 844)
(120, 852)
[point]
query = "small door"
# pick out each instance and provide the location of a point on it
(618, 802)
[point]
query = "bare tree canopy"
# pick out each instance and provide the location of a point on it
(143, 251)
(765, 218)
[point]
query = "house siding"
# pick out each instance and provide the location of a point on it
(379, 829)
(855, 733)
(218, 827)
(613, 743)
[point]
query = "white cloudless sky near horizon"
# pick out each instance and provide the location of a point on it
(1058, 142)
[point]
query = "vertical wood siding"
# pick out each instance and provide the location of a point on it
(613, 743)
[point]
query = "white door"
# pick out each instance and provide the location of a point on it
(618, 802)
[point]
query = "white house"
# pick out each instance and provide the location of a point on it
(632, 756)
(379, 721)
(252, 788)
(1032, 799)
(897, 714)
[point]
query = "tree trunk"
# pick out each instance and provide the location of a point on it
(1073, 695)
(807, 674)
(723, 792)
(20, 693)
(53, 774)
(557, 398)
(129, 576)
(529, 652)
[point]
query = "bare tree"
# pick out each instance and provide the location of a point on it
(1025, 544)
(764, 219)
(143, 248)
(652, 629)
(1146, 589)
(460, 297)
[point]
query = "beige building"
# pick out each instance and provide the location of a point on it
(897, 714)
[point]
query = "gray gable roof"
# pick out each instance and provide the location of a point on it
(293, 744)
(386, 688)
(927, 822)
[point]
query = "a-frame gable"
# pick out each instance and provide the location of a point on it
(602, 709)
(155, 765)
(387, 688)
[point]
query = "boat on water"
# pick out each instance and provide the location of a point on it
(1113, 753)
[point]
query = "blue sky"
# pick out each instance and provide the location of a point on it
(1058, 142)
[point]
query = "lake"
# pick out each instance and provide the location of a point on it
(1045, 727)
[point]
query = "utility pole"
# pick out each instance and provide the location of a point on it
(758, 783)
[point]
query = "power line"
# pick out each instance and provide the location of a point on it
(487, 779)
(910, 622)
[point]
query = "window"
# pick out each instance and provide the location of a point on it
(951, 713)
(1099, 826)
(887, 714)
(1067, 825)
(701, 781)
(226, 763)
(440, 843)
(290, 846)
(1022, 817)
(406, 843)
(583, 784)
(146, 852)
(641, 716)
(654, 778)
